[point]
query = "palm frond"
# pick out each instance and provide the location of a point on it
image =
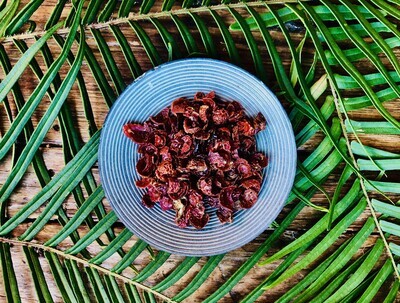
(147, 34)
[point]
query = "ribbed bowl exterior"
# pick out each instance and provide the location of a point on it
(154, 91)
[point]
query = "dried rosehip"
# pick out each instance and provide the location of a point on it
(137, 132)
(224, 215)
(199, 152)
(145, 166)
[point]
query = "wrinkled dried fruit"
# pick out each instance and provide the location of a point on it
(199, 152)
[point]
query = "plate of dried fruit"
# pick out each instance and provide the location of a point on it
(197, 157)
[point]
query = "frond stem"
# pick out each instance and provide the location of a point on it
(138, 17)
(362, 184)
(85, 263)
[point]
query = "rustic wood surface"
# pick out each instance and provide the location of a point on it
(53, 155)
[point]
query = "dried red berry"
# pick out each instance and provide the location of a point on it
(199, 152)
(138, 133)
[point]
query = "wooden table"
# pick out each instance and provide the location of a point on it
(53, 155)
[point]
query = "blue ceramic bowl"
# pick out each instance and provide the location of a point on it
(156, 90)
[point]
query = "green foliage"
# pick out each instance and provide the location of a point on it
(336, 272)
